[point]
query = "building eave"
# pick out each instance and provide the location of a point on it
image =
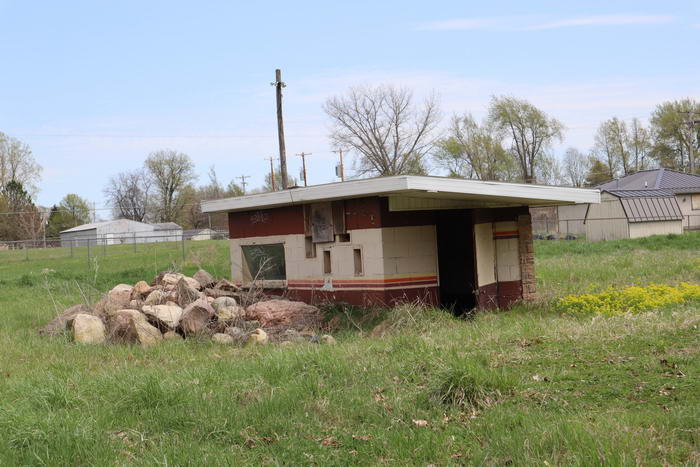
(497, 193)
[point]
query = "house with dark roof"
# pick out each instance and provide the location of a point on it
(633, 214)
(651, 189)
(684, 187)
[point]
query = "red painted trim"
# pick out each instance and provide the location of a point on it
(427, 295)
(286, 220)
(367, 283)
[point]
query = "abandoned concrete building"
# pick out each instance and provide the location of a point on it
(454, 243)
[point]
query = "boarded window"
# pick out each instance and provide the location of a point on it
(322, 222)
(264, 262)
(327, 261)
(343, 238)
(310, 247)
(357, 259)
(695, 202)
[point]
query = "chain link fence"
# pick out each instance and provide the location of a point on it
(576, 227)
(175, 246)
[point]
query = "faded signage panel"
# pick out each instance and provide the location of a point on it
(322, 222)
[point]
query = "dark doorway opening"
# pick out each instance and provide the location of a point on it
(456, 264)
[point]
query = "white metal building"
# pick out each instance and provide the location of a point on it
(120, 231)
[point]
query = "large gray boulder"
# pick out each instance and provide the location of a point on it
(62, 322)
(196, 317)
(88, 329)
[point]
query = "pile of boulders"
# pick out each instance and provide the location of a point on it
(174, 306)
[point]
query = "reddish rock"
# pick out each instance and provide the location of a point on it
(283, 312)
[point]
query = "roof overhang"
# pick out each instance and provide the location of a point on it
(469, 193)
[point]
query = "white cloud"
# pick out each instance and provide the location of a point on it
(532, 23)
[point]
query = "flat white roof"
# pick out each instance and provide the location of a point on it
(474, 193)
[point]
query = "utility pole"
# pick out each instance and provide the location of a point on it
(272, 172)
(342, 167)
(303, 164)
(243, 182)
(279, 84)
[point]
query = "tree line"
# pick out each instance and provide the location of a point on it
(390, 133)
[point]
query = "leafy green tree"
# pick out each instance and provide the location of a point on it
(172, 172)
(72, 211)
(529, 130)
(598, 172)
(474, 151)
(676, 135)
(19, 216)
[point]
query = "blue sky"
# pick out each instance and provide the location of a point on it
(94, 86)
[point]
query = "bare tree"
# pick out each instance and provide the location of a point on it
(475, 151)
(129, 194)
(576, 167)
(531, 132)
(390, 134)
(171, 172)
(639, 145)
(18, 164)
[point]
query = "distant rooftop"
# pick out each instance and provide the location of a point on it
(166, 226)
(655, 179)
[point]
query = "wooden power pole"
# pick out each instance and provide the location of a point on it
(342, 167)
(279, 84)
(303, 164)
(272, 172)
(243, 182)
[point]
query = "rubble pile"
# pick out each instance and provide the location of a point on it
(175, 306)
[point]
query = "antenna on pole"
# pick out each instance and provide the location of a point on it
(243, 182)
(279, 84)
(272, 173)
(340, 170)
(303, 164)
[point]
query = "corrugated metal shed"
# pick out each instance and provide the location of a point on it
(649, 205)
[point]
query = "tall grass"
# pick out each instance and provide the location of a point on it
(524, 387)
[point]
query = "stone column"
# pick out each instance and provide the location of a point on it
(527, 258)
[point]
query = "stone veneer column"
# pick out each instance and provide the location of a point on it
(527, 258)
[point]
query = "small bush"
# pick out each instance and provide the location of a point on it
(630, 300)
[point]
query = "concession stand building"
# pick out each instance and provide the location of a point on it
(460, 244)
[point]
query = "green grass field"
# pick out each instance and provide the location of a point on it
(524, 387)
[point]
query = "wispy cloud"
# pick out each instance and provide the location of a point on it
(532, 23)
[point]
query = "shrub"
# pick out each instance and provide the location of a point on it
(630, 300)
